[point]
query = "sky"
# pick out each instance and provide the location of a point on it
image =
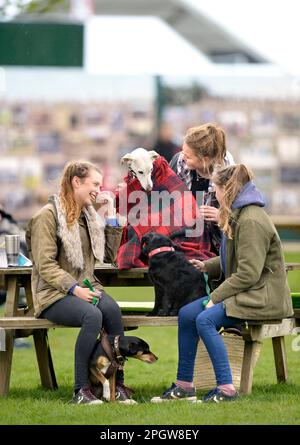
(148, 43)
(269, 26)
(134, 48)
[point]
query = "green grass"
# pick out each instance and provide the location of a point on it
(294, 275)
(29, 404)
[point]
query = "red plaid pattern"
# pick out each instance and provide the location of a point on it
(179, 215)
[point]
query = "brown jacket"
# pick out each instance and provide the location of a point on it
(62, 257)
(255, 286)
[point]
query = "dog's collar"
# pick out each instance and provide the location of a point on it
(119, 357)
(161, 249)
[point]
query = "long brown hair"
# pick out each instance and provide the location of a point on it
(207, 140)
(231, 179)
(75, 168)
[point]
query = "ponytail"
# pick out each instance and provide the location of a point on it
(72, 169)
(231, 179)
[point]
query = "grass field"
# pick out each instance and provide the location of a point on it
(28, 403)
(269, 403)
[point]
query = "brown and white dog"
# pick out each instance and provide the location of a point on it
(109, 354)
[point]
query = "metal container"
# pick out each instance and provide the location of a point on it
(12, 247)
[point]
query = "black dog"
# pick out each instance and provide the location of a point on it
(111, 352)
(177, 282)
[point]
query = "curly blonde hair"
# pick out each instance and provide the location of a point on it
(81, 169)
(231, 179)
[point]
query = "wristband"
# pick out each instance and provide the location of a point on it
(71, 290)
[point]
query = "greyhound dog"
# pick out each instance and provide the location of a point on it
(140, 164)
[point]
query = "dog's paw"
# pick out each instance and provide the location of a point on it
(162, 313)
(153, 313)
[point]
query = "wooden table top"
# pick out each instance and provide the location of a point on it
(103, 268)
(109, 269)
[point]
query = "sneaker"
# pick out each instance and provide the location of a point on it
(123, 394)
(85, 397)
(216, 395)
(176, 393)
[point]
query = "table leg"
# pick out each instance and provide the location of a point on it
(280, 358)
(12, 296)
(6, 362)
(11, 306)
(249, 361)
(44, 359)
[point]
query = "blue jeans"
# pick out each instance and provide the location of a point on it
(193, 322)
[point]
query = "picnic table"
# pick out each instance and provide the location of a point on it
(20, 322)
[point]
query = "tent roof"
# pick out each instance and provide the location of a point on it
(199, 30)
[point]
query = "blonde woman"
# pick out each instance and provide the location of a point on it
(64, 239)
(254, 286)
(203, 148)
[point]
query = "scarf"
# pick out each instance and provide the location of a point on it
(70, 236)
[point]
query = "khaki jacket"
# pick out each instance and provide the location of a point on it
(62, 258)
(255, 285)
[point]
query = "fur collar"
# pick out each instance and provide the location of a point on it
(70, 237)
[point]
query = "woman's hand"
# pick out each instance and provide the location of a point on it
(85, 293)
(209, 304)
(200, 265)
(209, 213)
(105, 204)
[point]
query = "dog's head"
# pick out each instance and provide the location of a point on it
(136, 347)
(154, 240)
(140, 163)
(129, 346)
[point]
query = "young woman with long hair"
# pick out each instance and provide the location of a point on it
(64, 240)
(203, 148)
(254, 285)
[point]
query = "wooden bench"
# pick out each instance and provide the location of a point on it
(21, 323)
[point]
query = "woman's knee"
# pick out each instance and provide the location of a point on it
(203, 321)
(108, 305)
(93, 317)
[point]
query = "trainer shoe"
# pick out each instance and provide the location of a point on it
(123, 394)
(216, 395)
(85, 397)
(176, 393)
